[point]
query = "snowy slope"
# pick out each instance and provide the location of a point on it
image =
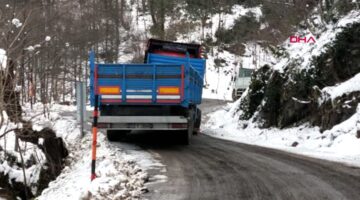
(218, 79)
(346, 87)
(224, 20)
(340, 143)
(117, 177)
(256, 56)
(29, 153)
(120, 168)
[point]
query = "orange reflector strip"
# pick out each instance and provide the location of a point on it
(109, 90)
(169, 90)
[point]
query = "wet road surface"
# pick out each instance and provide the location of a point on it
(212, 168)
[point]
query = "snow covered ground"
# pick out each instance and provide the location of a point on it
(348, 86)
(11, 159)
(338, 144)
(121, 169)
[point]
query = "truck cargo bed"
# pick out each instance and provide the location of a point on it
(171, 82)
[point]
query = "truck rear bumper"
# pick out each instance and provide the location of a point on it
(143, 122)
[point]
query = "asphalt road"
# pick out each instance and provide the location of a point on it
(215, 169)
(211, 168)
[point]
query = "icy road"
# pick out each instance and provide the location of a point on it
(211, 168)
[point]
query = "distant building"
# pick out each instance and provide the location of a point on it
(242, 81)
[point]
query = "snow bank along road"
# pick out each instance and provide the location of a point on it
(216, 169)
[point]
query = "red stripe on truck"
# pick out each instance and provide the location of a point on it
(168, 101)
(111, 101)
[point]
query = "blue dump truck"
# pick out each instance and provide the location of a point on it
(160, 94)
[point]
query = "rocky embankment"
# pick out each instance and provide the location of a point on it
(296, 94)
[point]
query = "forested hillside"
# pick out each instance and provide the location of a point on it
(49, 40)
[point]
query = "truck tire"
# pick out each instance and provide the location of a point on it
(197, 123)
(186, 134)
(116, 135)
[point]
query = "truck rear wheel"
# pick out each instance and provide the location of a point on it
(186, 134)
(197, 123)
(115, 135)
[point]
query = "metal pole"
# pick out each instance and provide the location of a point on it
(94, 125)
(82, 108)
(81, 105)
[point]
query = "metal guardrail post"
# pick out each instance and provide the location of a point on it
(81, 105)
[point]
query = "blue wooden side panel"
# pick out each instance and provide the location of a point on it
(145, 79)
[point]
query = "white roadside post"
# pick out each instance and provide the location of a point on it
(81, 104)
